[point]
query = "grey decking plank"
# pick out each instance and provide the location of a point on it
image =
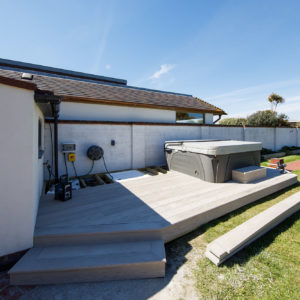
(174, 198)
(236, 239)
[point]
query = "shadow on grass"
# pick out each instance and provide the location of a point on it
(251, 250)
(243, 256)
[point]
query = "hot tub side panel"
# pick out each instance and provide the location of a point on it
(208, 167)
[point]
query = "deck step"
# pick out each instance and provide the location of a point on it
(95, 234)
(99, 262)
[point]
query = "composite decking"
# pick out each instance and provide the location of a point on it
(155, 203)
(122, 227)
(241, 236)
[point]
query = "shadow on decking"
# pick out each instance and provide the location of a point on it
(176, 250)
(94, 207)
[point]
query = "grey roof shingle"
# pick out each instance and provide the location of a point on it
(82, 90)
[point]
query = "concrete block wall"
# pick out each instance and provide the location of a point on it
(155, 136)
(285, 137)
(137, 145)
(264, 135)
(117, 157)
(215, 132)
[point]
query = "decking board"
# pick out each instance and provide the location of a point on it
(118, 231)
(164, 200)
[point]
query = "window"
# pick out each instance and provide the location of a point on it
(186, 117)
(40, 139)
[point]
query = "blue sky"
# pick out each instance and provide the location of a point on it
(230, 53)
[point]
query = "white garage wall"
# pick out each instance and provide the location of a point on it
(21, 171)
(138, 146)
(100, 112)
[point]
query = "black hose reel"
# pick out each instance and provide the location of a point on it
(95, 152)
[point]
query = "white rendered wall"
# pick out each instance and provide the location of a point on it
(100, 112)
(21, 171)
(138, 146)
(264, 135)
(209, 118)
(215, 132)
(38, 167)
(285, 137)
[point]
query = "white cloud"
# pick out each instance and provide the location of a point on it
(107, 66)
(292, 105)
(243, 102)
(165, 68)
(105, 25)
(257, 89)
(292, 99)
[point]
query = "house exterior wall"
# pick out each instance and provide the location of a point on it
(21, 171)
(100, 112)
(38, 166)
(209, 119)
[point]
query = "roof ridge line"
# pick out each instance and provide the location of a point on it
(65, 77)
(78, 74)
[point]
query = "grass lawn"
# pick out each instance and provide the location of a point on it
(269, 268)
(287, 159)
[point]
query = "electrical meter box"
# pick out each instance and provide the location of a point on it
(68, 147)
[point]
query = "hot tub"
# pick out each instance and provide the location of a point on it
(211, 160)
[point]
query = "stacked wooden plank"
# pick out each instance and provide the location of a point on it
(233, 241)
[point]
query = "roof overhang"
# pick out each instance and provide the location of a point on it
(18, 83)
(142, 105)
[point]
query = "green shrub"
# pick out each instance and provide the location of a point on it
(283, 120)
(233, 121)
(267, 118)
(266, 151)
(288, 149)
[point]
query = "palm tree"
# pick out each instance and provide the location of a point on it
(274, 99)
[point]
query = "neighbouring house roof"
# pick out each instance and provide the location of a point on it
(88, 88)
(60, 72)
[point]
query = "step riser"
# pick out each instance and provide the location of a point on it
(132, 271)
(90, 239)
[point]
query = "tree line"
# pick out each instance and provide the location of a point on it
(263, 117)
